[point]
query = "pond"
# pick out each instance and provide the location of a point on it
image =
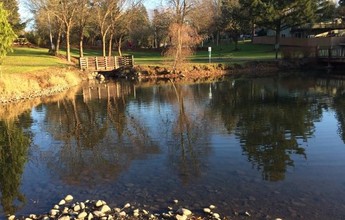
(273, 147)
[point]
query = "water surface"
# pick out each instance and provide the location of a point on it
(273, 147)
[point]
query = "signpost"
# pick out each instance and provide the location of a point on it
(209, 54)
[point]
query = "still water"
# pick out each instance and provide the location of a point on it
(273, 147)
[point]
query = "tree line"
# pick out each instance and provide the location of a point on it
(178, 25)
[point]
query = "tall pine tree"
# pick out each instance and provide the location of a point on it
(6, 33)
(13, 17)
(279, 15)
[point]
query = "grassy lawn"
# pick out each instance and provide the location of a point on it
(24, 60)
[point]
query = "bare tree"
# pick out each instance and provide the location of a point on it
(83, 17)
(183, 36)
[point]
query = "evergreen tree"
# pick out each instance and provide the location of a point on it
(13, 17)
(6, 33)
(279, 15)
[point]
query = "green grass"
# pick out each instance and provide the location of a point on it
(24, 59)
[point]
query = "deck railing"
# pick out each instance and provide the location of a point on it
(105, 63)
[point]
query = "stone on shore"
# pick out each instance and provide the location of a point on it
(69, 198)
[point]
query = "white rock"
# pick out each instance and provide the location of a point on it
(99, 203)
(184, 211)
(65, 217)
(216, 215)
(117, 210)
(46, 218)
(69, 198)
(82, 215)
(105, 209)
(11, 217)
(98, 214)
(170, 208)
(56, 207)
(207, 210)
(82, 205)
(181, 217)
(90, 216)
(136, 214)
(28, 219)
(62, 202)
(175, 201)
(65, 210)
(212, 207)
(145, 212)
(278, 219)
(127, 206)
(54, 212)
(76, 208)
(123, 214)
(32, 216)
(136, 210)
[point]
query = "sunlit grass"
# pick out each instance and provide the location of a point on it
(24, 60)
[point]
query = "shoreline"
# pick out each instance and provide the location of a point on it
(45, 84)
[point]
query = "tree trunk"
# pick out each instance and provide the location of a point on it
(68, 45)
(110, 45)
(58, 41)
(277, 39)
(119, 46)
(103, 45)
(81, 39)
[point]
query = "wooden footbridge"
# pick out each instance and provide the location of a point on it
(332, 54)
(105, 63)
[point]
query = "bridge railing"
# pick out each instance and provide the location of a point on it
(331, 52)
(105, 63)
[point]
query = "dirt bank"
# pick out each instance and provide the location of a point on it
(16, 87)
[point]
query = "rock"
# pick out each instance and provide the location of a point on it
(62, 202)
(54, 212)
(76, 208)
(181, 217)
(90, 216)
(64, 217)
(32, 216)
(117, 210)
(56, 207)
(105, 209)
(175, 201)
(278, 219)
(82, 205)
(212, 207)
(127, 206)
(216, 215)
(68, 198)
(82, 215)
(123, 214)
(145, 212)
(65, 210)
(99, 203)
(183, 211)
(207, 210)
(98, 214)
(11, 217)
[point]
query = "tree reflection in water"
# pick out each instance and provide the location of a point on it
(271, 128)
(14, 145)
(96, 133)
(188, 149)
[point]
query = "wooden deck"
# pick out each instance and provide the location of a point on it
(105, 63)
